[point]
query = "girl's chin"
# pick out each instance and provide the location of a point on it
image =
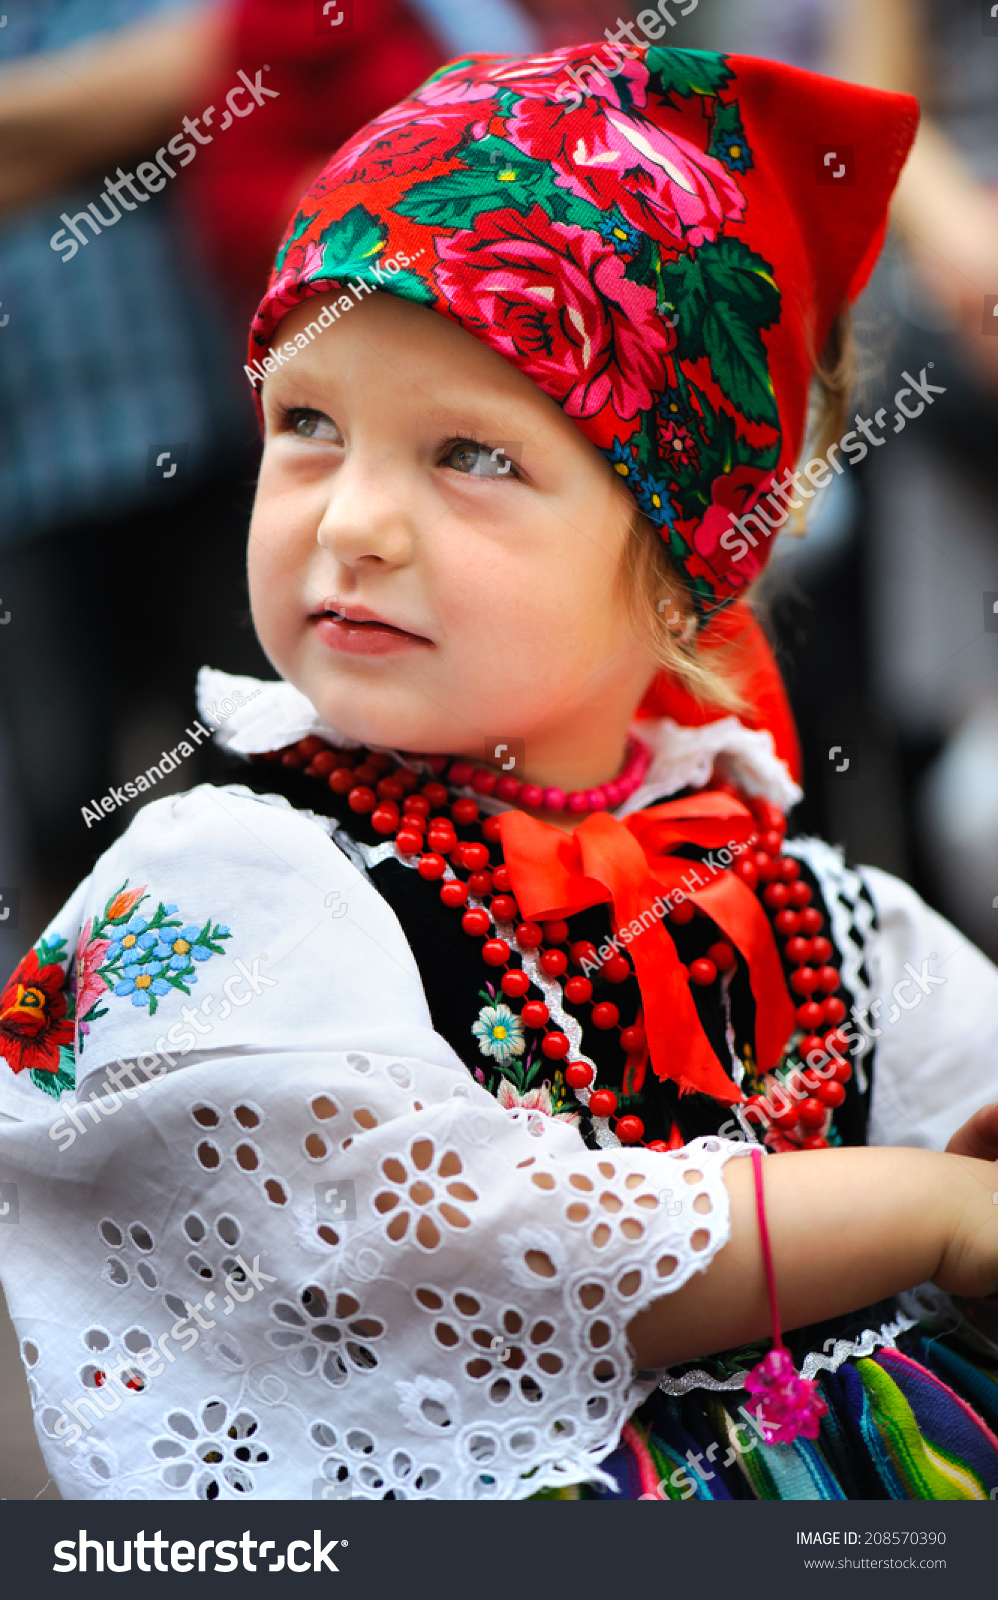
(370, 721)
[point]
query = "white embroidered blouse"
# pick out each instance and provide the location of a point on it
(279, 1244)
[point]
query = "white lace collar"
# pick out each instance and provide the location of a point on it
(249, 716)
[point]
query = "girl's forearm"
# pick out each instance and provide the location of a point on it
(846, 1227)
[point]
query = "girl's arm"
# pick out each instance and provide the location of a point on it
(847, 1227)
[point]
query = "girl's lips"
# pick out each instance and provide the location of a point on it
(365, 638)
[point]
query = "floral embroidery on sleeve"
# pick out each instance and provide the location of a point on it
(137, 957)
(51, 1001)
(36, 1019)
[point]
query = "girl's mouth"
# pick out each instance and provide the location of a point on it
(359, 632)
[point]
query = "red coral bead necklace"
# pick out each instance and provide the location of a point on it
(422, 819)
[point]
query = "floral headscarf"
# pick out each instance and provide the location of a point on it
(663, 254)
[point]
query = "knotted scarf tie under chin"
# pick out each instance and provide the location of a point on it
(630, 865)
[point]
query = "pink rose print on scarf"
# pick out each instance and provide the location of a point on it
(610, 157)
(456, 88)
(542, 77)
(555, 295)
(733, 495)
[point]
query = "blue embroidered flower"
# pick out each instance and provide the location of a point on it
(142, 982)
(499, 1032)
(653, 498)
(618, 232)
(128, 937)
(200, 948)
(180, 945)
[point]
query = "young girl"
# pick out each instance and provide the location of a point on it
(371, 1120)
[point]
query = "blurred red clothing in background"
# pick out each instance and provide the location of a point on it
(243, 186)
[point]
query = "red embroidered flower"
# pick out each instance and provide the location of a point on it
(554, 295)
(409, 138)
(733, 495)
(33, 1021)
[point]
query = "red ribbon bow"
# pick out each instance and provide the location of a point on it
(630, 865)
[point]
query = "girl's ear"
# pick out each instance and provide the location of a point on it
(665, 617)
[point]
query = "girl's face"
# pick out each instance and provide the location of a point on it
(435, 554)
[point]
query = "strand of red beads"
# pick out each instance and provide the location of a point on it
(425, 834)
(816, 984)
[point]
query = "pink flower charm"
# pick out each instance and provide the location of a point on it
(788, 1405)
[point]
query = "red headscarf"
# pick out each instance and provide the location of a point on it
(662, 249)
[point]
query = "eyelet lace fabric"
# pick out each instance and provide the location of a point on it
(399, 1287)
(301, 1253)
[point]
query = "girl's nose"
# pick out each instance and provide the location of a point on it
(369, 515)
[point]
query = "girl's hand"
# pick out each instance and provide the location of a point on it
(969, 1265)
(978, 1136)
(847, 1227)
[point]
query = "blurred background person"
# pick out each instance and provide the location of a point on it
(109, 359)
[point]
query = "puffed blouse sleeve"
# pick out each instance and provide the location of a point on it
(276, 1242)
(935, 1020)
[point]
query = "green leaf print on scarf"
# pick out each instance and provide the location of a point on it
(686, 72)
(723, 297)
(351, 248)
(497, 175)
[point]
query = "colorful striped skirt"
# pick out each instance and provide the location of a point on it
(918, 1422)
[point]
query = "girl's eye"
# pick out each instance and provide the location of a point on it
(478, 461)
(314, 425)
